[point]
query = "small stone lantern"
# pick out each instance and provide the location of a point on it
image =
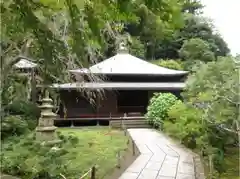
(45, 130)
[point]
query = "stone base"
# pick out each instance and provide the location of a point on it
(51, 143)
(46, 129)
(46, 133)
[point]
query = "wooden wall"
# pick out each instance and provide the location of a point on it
(108, 104)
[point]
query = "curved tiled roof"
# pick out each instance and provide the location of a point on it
(124, 63)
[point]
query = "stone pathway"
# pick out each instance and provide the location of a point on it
(4, 176)
(160, 157)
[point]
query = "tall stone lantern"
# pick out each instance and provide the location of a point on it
(25, 67)
(45, 130)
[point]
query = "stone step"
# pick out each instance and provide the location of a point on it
(130, 124)
(133, 126)
(127, 124)
(130, 121)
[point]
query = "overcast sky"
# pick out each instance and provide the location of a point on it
(226, 17)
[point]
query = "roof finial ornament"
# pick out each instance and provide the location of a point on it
(122, 48)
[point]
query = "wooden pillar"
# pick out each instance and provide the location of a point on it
(33, 87)
(97, 104)
(72, 125)
(97, 108)
(116, 102)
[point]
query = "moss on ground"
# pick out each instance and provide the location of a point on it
(83, 148)
(232, 164)
(96, 146)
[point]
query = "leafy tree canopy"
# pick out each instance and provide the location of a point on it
(67, 34)
(196, 50)
(169, 63)
(208, 118)
(214, 88)
(194, 27)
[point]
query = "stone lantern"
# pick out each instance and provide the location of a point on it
(45, 130)
(25, 67)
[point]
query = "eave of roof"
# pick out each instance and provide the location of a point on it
(79, 72)
(121, 85)
(23, 63)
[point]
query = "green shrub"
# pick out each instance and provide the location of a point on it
(187, 124)
(184, 124)
(158, 108)
(25, 108)
(169, 63)
(73, 139)
(62, 137)
(32, 124)
(13, 125)
(28, 158)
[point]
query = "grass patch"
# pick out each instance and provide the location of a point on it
(94, 146)
(231, 160)
(231, 164)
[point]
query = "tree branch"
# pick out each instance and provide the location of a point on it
(229, 100)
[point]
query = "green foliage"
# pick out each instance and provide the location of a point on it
(67, 34)
(19, 117)
(13, 125)
(137, 48)
(214, 88)
(25, 108)
(157, 111)
(14, 87)
(29, 159)
(200, 27)
(57, 34)
(207, 120)
(169, 63)
(230, 156)
(192, 6)
(194, 27)
(52, 31)
(184, 123)
(27, 111)
(194, 51)
(46, 159)
(157, 20)
(62, 35)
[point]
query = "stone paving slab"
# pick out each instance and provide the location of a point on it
(160, 157)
